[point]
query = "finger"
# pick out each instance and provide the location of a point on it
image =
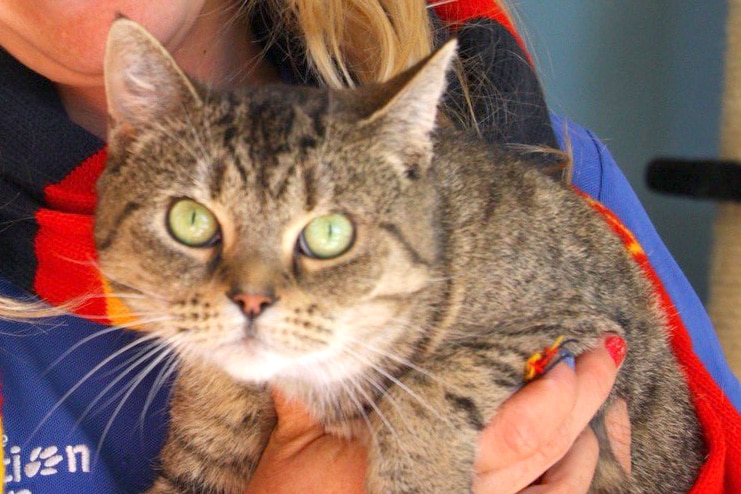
(617, 424)
(596, 371)
(530, 418)
(527, 434)
(301, 457)
(294, 422)
(574, 472)
(538, 425)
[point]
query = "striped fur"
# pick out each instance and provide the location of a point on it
(465, 260)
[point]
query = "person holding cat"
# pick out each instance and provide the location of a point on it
(50, 149)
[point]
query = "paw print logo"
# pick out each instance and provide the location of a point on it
(43, 461)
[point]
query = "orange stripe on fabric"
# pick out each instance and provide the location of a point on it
(116, 310)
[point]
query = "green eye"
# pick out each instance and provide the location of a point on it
(327, 237)
(192, 224)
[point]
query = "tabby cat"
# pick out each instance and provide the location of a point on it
(391, 275)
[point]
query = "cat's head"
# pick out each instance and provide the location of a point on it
(281, 232)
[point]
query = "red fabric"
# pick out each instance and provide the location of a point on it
(76, 193)
(65, 251)
(457, 12)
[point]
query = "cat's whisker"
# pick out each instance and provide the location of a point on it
(87, 262)
(432, 5)
(112, 357)
(118, 295)
(84, 341)
(137, 356)
(136, 289)
(121, 371)
(361, 409)
(141, 318)
(370, 401)
(131, 388)
(5, 225)
(81, 300)
(396, 358)
(184, 346)
(398, 383)
(387, 423)
(165, 373)
(383, 392)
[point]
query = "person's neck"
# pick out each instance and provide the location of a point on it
(218, 51)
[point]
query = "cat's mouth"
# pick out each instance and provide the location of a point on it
(296, 344)
(259, 350)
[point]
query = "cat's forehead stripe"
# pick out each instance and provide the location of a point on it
(218, 170)
(264, 138)
(310, 188)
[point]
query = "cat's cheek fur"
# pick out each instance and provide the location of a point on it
(274, 352)
(401, 277)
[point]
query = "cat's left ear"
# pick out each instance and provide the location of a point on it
(410, 103)
(143, 83)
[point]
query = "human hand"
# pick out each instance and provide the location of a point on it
(541, 432)
(302, 457)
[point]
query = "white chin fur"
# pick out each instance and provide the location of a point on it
(259, 362)
(247, 362)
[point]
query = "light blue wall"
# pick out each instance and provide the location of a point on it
(646, 76)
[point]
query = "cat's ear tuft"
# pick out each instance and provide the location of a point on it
(143, 83)
(411, 101)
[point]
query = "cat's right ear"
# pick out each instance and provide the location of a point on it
(404, 109)
(143, 83)
(409, 102)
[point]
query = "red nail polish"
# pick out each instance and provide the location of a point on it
(617, 349)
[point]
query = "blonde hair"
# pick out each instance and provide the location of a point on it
(362, 41)
(352, 42)
(357, 41)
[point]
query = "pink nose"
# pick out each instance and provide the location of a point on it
(252, 304)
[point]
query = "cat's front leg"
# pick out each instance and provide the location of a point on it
(426, 428)
(218, 430)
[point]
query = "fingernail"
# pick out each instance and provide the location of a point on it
(617, 349)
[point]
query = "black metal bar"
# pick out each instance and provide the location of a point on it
(702, 179)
